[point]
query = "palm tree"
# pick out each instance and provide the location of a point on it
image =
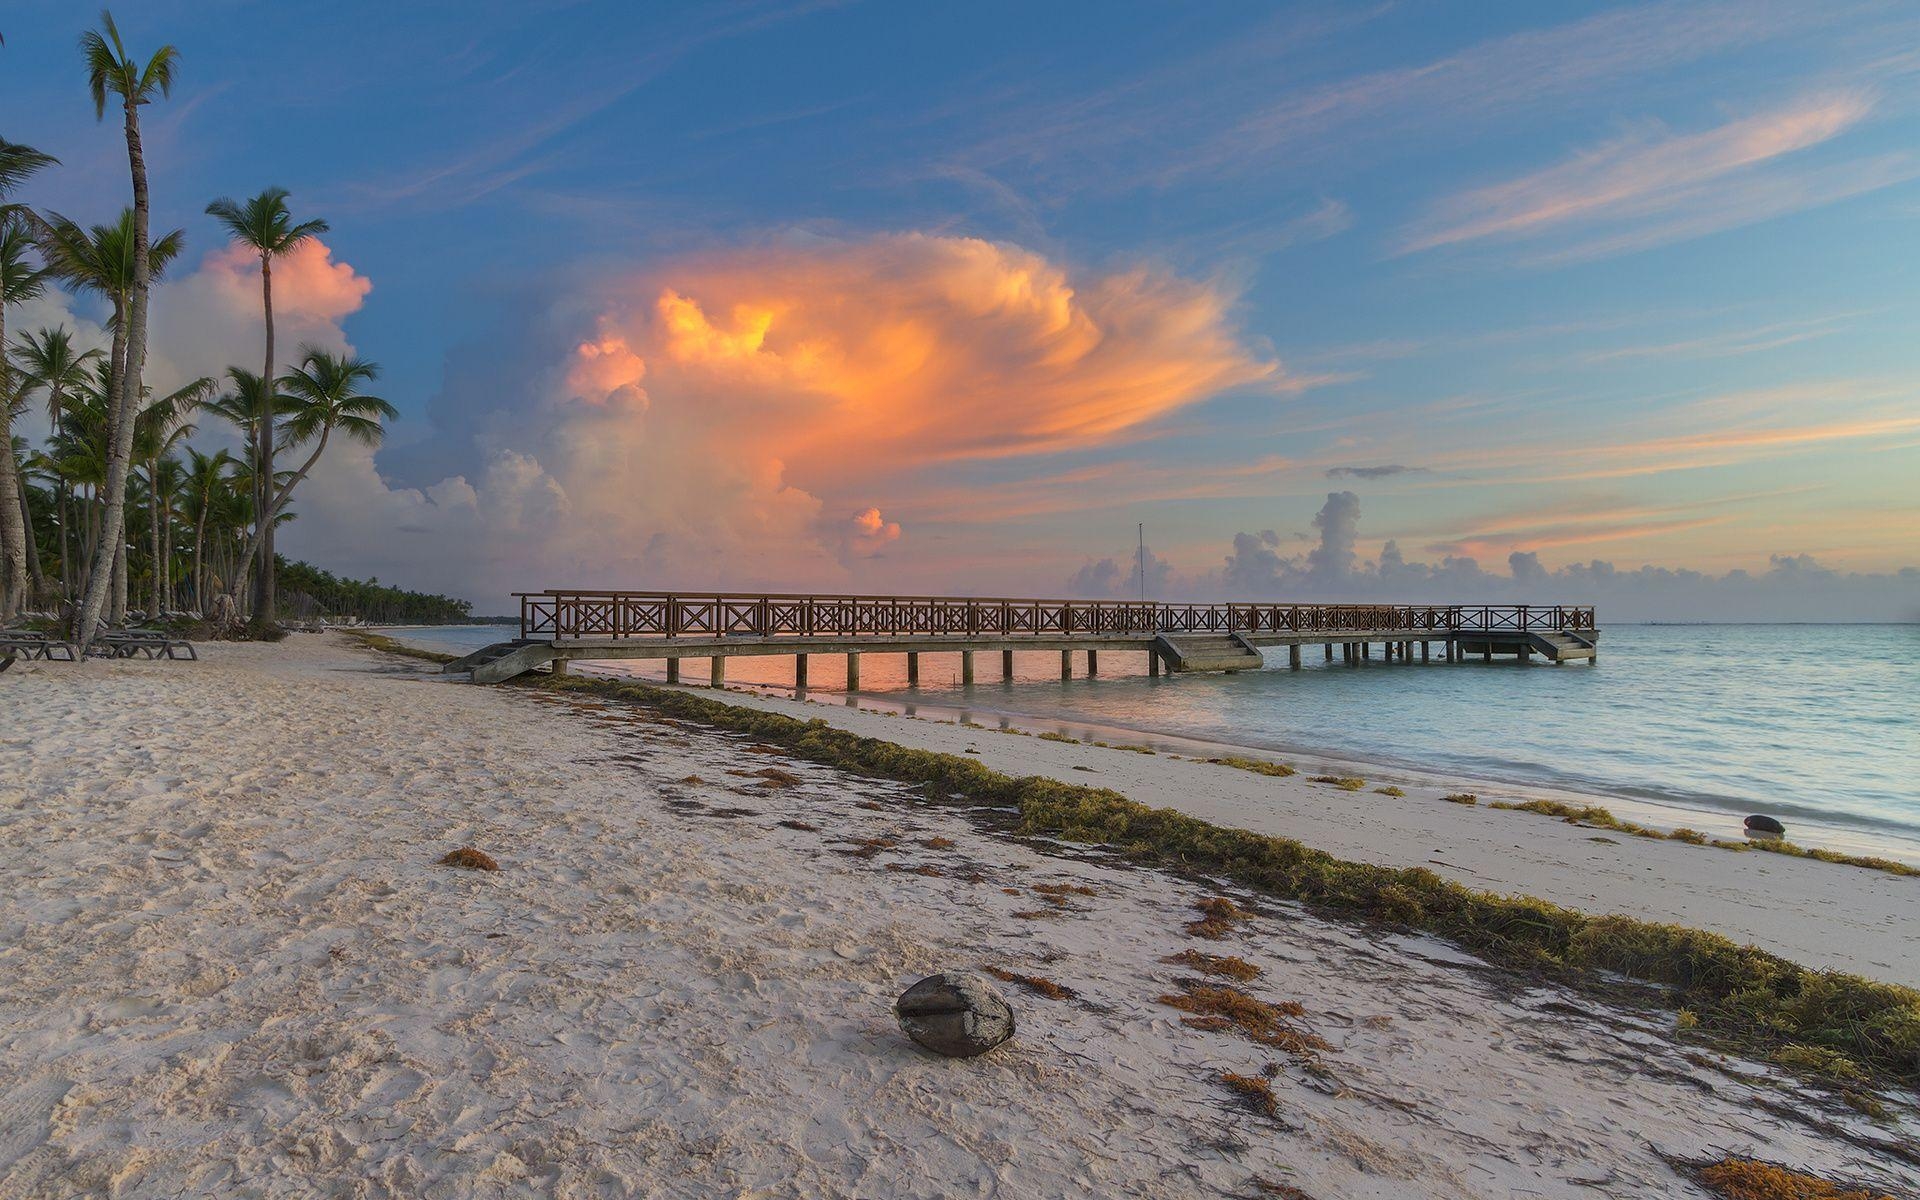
(264, 226)
(319, 396)
(46, 361)
(157, 429)
(207, 475)
(112, 71)
(20, 280)
(101, 259)
(250, 405)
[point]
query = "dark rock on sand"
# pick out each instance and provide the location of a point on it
(955, 1013)
(1759, 823)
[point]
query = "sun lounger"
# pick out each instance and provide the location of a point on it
(150, 643)
(28, 644)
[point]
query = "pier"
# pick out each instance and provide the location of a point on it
(560, 627)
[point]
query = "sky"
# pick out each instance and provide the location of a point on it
(1580, 302)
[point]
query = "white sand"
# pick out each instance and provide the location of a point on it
(229, 966)
(1822, 914)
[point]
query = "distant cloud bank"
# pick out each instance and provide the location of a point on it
(1793, 587)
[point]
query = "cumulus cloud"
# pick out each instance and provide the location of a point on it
(867, 534)
(1111, 579)
(1793, 587)
(749, 418)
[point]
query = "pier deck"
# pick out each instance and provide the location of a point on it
(558, 627)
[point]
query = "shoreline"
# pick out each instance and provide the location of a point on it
(1825, 915)
(1717, 821)
(681, 975)
(1717, 815)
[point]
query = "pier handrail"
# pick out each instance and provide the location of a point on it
(588, 613)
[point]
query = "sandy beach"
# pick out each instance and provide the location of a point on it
(230, 965)
(1821, 914)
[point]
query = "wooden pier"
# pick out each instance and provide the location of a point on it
(559, 627)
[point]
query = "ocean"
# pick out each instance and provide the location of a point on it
(1814, 724)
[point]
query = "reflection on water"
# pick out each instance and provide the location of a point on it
(1799, 720)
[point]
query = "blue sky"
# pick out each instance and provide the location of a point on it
(1620, 282)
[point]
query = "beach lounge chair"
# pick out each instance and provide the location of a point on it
(151, 643)
(30, 645)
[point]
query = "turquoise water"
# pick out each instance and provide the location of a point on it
(1816, 722)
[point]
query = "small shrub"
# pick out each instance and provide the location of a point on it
(1050, 736)
(1461, 798)
(1389, 790)
(939, 843)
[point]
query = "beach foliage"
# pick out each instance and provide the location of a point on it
(1751, 1179)
(1593, 814)
(1741, 996)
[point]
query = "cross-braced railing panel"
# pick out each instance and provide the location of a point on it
(615, 614)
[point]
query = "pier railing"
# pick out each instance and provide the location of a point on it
(618, 614)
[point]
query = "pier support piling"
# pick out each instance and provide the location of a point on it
(966, 667)
(560, 666)
(1426, 652)
(1293, 656)
(853, 672)
(719, 671)
(673, 670)
(799, 672)
(913, 669)
(1093, 663)
(1066, 664)
(1329, 649)
(1153, 663)
(1006, 665)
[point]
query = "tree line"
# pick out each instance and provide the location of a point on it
(117, 507)
(312, 592)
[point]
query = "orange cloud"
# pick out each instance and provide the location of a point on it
(928, 347)
(307, 283)
(791, 382)
(602, 367)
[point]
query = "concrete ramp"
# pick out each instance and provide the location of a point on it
(1561, 646)
(502, 661)
(1208, 652)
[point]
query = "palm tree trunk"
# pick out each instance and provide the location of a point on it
(13, 535)
(66, 552)
(120, 448)
(199, 549)
(153, 537)
(263, 452)
(34, 571)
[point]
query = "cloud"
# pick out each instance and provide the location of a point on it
(867, 534)
(210, 319)
(760, 417)
(1380, 472)
(1794, 586)
(1108, 579)
(1649, 188)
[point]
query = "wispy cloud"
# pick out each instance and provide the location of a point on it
(1730, 344)
(1674, 184)
(1380, 472)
